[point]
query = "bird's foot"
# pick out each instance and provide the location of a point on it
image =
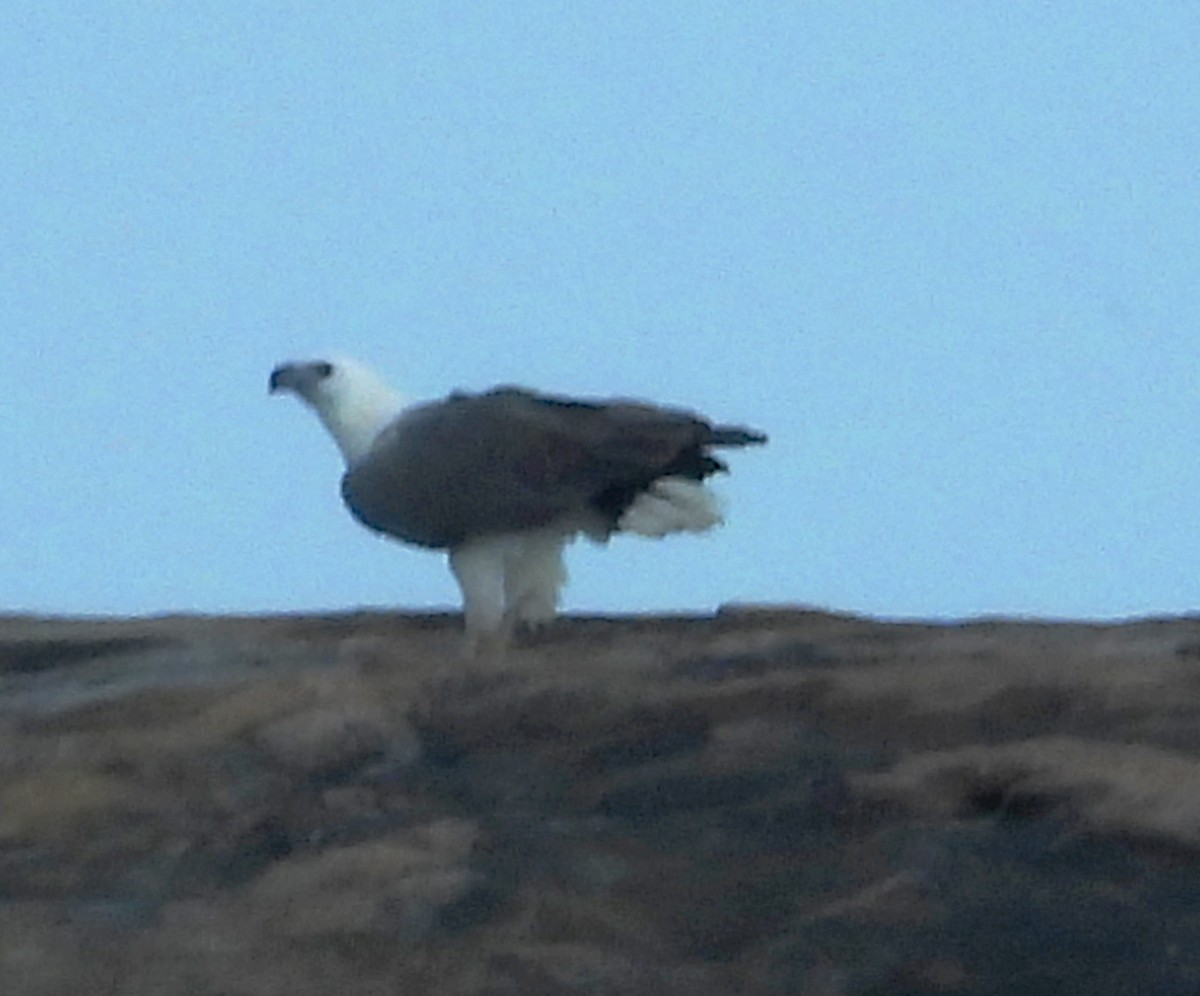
(534, 632)
(489, 645)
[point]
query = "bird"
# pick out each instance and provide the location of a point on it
(505, 479)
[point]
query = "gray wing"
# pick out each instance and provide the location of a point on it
(508, 460)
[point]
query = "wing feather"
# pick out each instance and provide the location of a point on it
(511, 459)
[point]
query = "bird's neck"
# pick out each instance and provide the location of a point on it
(354, 424)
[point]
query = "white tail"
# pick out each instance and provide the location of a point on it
(672, 505)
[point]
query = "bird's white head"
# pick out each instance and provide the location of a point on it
(352, 401)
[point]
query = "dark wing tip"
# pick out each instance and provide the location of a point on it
(735, 435)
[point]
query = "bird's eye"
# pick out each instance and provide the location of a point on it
(323, 370)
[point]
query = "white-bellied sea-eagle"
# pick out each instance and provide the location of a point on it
(503, 480)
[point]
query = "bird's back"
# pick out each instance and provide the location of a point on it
(510, 460)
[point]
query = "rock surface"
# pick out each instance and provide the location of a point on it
(764, 801)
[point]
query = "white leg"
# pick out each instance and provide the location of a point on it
(478, 567)
(534, 574)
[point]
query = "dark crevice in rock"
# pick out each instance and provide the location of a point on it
(30, 656)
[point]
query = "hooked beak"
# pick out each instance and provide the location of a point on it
(284, 377)
(302, 378)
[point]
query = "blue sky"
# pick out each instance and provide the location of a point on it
(946, 254)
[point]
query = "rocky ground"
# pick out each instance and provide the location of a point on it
(764, 801)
